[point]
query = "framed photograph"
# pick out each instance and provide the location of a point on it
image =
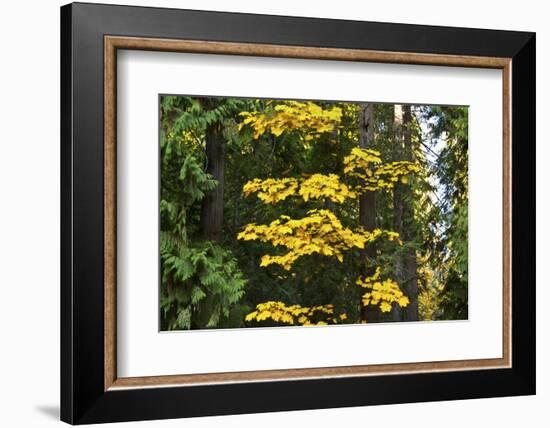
(266, 213)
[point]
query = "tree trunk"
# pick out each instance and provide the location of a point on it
(212, 204)
(403, 218)
(367, 208)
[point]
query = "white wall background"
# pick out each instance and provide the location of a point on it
(29, 214)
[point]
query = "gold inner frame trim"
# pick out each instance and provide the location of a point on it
(113, 43)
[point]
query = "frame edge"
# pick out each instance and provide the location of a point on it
(66, 315)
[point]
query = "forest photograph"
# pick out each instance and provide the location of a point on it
(281, 213)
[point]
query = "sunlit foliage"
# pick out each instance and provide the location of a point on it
(317, 186)
(278, 312)
(291, 116)
(321, 186)
(272, 190)
(382, 293)
(320, 232)
(365, 164)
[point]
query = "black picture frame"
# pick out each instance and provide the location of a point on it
(83, 396)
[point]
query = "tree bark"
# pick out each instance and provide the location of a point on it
(367, 208)
(403, 218)
(212, 204)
